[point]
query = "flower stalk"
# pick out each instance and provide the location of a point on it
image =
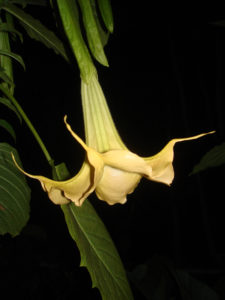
(29, 124)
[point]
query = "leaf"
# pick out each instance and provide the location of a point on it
(31, 2)
(6, 60)
(97, 250)
(69, 16)
(152, 279)
(15, 56)
(92, 31)
(6, 27)
(36, 30)
(8, 127)
(194, 289)
(9, 104)
(14, 193)
(158, 279)
(104, 36)
(5, 77)
(106, 13)
(214, 158)
(219, 23)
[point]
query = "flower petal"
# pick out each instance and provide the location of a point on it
(76, 189)
(127, 161)
(115, 184)
(80, 186)
(56, 196)
(161, 163)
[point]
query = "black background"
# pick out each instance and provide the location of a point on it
(165, 80)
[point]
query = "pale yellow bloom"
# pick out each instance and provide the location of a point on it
(109, 167)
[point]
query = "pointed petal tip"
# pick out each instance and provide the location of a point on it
(22, 171)
(175, 140)
(210, 132)
(17, 165)
(205, 133)
(77, 138)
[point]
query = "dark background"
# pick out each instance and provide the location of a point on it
(165, 80)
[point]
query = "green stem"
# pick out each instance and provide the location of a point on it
(29, 124)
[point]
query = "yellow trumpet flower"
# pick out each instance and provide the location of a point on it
(109, 167)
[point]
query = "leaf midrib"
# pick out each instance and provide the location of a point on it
(95, 251)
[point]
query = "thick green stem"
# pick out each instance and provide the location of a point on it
(29, 124)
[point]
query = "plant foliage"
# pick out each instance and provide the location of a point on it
(14, 193)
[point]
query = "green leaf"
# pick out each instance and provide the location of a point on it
(103, 35)
(98, 253)
(193, 289)
(9, 104)
(97, 250)
(219, 23)
(69, 15)
(151, 280)
(5, 77)
(214, 158)
(31, 2)
(6, 60)
(36, 30)
(6, 27)
(8, 127)
(159, 280)
(106, 13)
(14, 193)
(92, 31)
(15, 56)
